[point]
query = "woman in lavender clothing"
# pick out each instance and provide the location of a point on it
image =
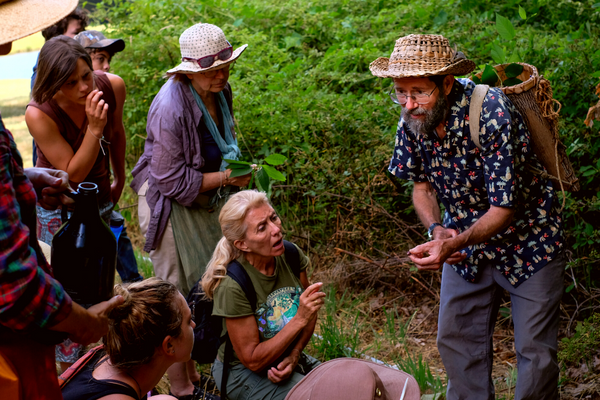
(181, 179)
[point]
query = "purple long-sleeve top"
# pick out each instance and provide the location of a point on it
(172, 157)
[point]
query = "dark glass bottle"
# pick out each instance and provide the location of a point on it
(84, 251)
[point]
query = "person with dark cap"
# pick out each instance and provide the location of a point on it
(100, 48)
(34, 308)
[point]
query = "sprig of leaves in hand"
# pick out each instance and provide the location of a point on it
(262, 173)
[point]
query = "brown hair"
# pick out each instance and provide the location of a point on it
(61, 26)
(92, 50)
(139, 325)
(57, 61)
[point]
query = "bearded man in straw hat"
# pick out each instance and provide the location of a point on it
(35, 311)
(501, 228)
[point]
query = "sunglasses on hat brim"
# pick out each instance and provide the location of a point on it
(208, 61)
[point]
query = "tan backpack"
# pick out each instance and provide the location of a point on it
(533, 99)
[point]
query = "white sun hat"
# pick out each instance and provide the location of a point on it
(22, 18)
(203, 40)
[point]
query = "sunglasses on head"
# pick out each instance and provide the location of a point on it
(208, 61)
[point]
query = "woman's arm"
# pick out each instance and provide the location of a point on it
(244, 336)
(56, 149)
(118, 140)
(285, 368)
(214, 180)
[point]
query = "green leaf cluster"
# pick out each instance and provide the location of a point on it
(262, 173)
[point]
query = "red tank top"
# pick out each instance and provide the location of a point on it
(73, 134)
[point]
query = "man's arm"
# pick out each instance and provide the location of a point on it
(433, 254)
(30, 297)
(118, 141)
(426, 204)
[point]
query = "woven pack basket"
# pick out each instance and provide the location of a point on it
(533, 99)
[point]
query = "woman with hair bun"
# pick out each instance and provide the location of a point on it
(149, 332)
(268, 337)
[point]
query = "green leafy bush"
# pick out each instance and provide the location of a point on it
(303, 89)
(583, 345)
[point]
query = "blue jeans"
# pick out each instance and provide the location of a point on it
(126, 264)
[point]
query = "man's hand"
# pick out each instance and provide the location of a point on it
(88, 326)
(285, 367)
(50, 186)
(432, 255)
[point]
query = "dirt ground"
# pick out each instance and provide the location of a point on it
(391, 283)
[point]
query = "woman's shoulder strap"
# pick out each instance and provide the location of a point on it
(236, 271)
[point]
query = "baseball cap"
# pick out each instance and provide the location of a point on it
(96, 40)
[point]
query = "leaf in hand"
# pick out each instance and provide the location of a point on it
(262, 180)
(275, 159)
(273, 173)
(233, 163)
(235, 172)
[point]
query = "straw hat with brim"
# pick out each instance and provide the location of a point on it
(420, 56)
(96, 40)
(352, 378)
(22, 18)
(203, 40)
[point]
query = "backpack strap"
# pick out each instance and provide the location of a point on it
(292, 256)
(74, 369)
(475, 106)
(236, 271)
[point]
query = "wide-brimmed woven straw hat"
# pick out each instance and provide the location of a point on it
(203, 40)
(22, 18)
(420, 56)
(352, 378)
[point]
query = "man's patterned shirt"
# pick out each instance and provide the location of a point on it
(468, 181)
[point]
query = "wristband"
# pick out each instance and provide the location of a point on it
(432, 228)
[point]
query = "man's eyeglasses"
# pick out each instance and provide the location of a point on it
(402, 99)
(207, 61)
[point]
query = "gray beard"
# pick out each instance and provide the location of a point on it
(432, 118)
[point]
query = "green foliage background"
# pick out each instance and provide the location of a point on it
(303, 89)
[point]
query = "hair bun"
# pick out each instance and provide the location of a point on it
(124, 309)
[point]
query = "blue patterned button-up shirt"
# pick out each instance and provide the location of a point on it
(468, 181)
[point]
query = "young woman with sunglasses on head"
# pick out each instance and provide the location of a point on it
(181, 179)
